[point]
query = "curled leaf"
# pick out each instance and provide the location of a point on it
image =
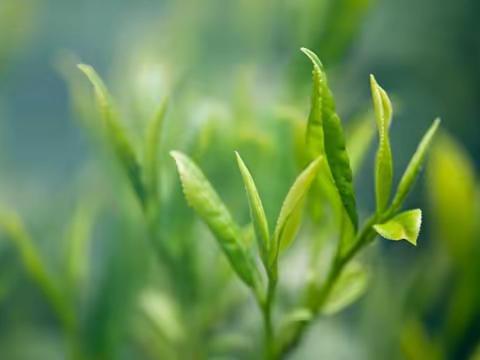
(116, 134)
(383, 161)
(324, 117)
(257, 214)
(290, 213)
(404, 226)
(413, 168)
(204, 200)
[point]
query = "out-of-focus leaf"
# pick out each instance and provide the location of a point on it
(121, 144)
(359, 139)
(327, 119)
(451, 188)
(205, 201)
(350, 285)
(383, 161)
(290, 213)
(34, 266)
(404, 226)
(163, 314)
(413, 168)
(78, 236)
(417, 345)
(152, 143)
(257, 213)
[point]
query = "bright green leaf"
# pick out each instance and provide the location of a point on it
(257, 213)
(204, 200)
(290, 213)
(325, 117)
(404, 226)
(383, 161)
(116, 134)
(413, 168)
(351, 284)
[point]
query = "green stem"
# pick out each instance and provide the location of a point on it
(317, 296)
(267, 318)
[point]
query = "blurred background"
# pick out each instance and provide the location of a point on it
(236, 80)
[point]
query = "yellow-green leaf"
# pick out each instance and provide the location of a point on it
(325, 117)
(290, 213)
(351, 284)
(413, 168)
(116, 134)
(257, 214)
(204, 200)
(451, 186)
(383, 161)
(404, 226)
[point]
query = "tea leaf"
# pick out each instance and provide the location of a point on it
(116, 134)
(204, 200)
(383, 161)
(290, 213)
(451, 185)
(152, 143)
(350, 285)
(34, 265)
(333, 138)
(413, 168)
(257, 213)
(404, 226)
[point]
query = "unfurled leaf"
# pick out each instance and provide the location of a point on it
(404, 226)
(152, 143)
(204, 200)
(350, 285)
(383, 161)
(290, 213)
(325, 117)
(257, 213)
(451, 187)
(413, 168)
(116, 134)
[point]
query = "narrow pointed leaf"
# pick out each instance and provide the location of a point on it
(152, 143)
(116, 134)
(290, 213)
(12, 226)
(413, 168)
(350, 285)
(204, 200)
(404, 226)
(257, 213)
(333, 138)
(383, 161)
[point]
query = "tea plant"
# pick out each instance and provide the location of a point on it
(328, 169)
(189, 295)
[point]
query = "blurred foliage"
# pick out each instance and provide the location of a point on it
(90, 270)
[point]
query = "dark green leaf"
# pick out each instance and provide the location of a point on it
(325, 117)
